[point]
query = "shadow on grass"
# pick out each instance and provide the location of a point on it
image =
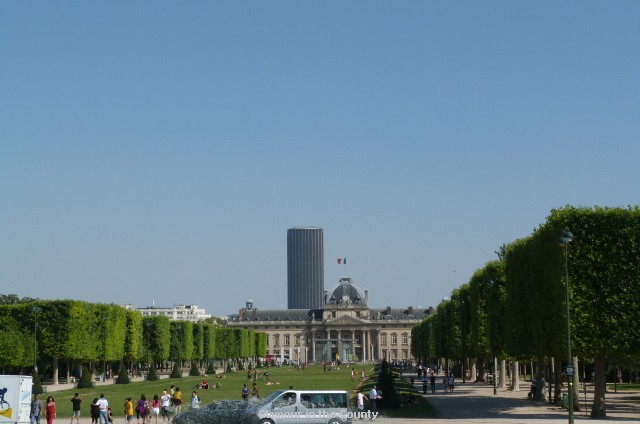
(421, 408)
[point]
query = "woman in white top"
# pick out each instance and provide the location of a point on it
(195, 400)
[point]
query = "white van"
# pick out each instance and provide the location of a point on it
(302, 406)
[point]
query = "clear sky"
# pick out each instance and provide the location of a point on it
(158, 151)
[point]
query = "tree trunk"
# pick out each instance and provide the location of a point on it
(473, 371)
(576, 386)
(503, 374)
(515, 376)
(557, 377)
(540, 380)
(599, 409)
(482, 372)
(55, 371)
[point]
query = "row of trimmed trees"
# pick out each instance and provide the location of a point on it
(79, 333)
(516, 305)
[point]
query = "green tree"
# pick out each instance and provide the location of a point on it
(390, 398)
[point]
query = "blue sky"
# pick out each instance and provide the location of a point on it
(158, 151)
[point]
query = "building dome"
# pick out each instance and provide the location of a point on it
(347, 293)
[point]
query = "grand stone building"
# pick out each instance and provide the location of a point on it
(345, 328)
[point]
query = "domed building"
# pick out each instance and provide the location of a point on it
(346, 329)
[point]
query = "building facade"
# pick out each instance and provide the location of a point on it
(305, 268)
(345, 328)
(177, 312)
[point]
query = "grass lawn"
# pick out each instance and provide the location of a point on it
(623, 386)
(312, 378)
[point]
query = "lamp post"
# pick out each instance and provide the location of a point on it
(446, 344)
(565, 239)
(463, 319)
(429, 349)
(36, 310)
(104, 360)
(493, 341)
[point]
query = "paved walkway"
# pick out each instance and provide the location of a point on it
(476, 403)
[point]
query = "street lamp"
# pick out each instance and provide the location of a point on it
(565, 239)
(493, 341)
(104, 361)
(36, 309)
(446, 344)
(463, 319)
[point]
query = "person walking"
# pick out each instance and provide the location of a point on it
(245, 392)
(36, 410)
(255, 392)
(76, 401)
(452, 382)
(166, 402)
(95, 411)
(425, 382)
(51, 410)
(432, 380)
(103, 406)
(177, 400)
(360, 403)
(142, 409)
(155, 407)
(128, 410)
(373, 398)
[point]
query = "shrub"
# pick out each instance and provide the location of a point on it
(390, 398)
(85, 379)
(37, 385)
(153, 375)
(123, 375)
(195, 369)
(176, 372)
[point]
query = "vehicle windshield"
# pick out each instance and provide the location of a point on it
(270, 398)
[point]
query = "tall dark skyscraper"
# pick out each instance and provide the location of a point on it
(305, 268)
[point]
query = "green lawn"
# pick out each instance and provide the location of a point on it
(623, 386)
(312, 378)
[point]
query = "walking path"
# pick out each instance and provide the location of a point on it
(476, 403)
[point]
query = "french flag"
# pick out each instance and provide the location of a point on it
(342, 261)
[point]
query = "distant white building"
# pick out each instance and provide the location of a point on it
(177, 312)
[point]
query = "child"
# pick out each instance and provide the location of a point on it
(128, 409)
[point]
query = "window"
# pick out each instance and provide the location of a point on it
(384, 339)
(357, 340)
(287, 338)
(276, 340)
(297, 340)
(405, 340)
(394, 339)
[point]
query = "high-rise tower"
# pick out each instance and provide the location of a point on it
(305, 268)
